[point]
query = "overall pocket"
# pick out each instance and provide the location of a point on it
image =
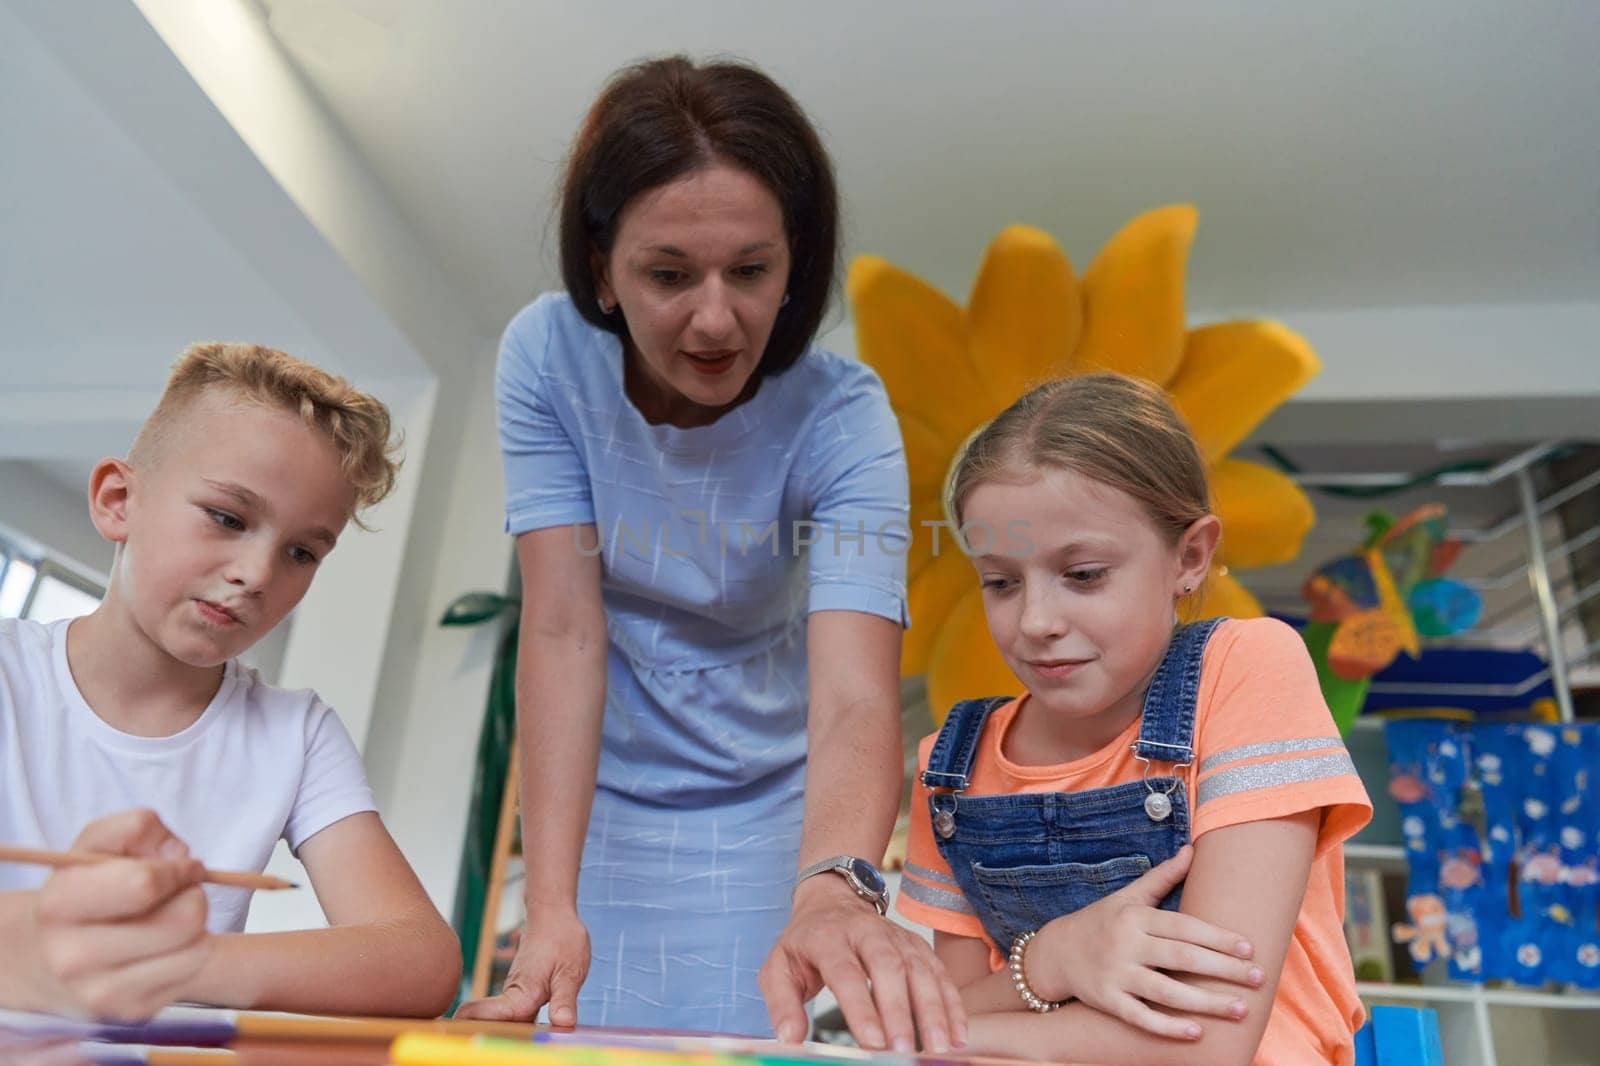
(1023, 898)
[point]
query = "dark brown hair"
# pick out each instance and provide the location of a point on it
(664, 118)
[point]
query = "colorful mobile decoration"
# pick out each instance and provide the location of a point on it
(1369, 606)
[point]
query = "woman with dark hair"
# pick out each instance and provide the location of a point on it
(711, 522)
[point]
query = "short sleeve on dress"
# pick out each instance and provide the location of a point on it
(546, 482)
(857, 478)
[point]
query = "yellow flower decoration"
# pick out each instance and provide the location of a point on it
(950, 370)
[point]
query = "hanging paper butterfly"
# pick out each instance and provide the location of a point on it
(1393, 591)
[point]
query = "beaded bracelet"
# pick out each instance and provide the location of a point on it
(1019, 976)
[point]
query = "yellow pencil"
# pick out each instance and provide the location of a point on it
(37, 857)
(427, 1049)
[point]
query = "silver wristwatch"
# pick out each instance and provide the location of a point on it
(862, 876)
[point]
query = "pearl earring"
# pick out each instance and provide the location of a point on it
(1188, 589)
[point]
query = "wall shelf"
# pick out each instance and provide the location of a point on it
(1389, 856)
(1384, 992)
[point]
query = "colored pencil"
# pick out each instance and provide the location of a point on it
(173, 1027)
(111, 1055)
(426, 1049)
(37, 857)
(206, 1027)
(370, 1030)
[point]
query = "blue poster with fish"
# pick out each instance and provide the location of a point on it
(1414, 764)
(1577, 823)
(1502, 837)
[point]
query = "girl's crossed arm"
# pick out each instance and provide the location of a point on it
(1115, 955)
(1250, 878)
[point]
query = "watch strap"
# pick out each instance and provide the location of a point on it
(841, 864)
(838, 862)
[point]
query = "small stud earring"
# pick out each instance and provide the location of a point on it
(785, 301)
(1188, 589)
(606, 308)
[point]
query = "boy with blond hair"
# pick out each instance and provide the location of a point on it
(236, 488)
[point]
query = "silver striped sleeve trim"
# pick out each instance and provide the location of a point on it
(1270, 747)
(941, 898)
(931, 875)
(1271, 774)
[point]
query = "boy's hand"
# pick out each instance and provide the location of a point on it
(1111, 955)
(551, 964)
(119, 939)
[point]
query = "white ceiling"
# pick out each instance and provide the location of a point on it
(114, 254)
(88, 279)
(1441, 157)
(1343, 155)
(1349, 156)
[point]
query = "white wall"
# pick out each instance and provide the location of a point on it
(423, 688)
(136, 221)
(226, 48)
(54, 517)
(1512, 372)
(1483, 351)
(432, 693)
(204, 96)
(427, 696)
(345, 617)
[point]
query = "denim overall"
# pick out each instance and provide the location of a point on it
(1024, 859)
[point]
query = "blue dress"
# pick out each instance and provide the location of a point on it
(716, 542)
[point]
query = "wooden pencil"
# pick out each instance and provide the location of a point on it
(205, 1027)
(38, 857)
(363, 1029)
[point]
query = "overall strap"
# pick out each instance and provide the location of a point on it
(1166, 728)
(950, 761)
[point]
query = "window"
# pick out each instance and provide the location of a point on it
(16, 581)
(38, 588)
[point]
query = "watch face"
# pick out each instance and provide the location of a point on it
(868, 875)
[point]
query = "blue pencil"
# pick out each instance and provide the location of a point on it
(176, 1027)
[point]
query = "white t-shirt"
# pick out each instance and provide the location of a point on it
(261, 763)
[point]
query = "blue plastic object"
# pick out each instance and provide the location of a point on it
(1399, 1036)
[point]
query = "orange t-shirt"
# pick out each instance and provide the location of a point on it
(1265, 747)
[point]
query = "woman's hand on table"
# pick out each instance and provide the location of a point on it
(551, 963)
(889, 984)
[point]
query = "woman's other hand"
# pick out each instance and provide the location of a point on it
(551, 964)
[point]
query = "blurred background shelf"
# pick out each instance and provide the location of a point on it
(1530, 519)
